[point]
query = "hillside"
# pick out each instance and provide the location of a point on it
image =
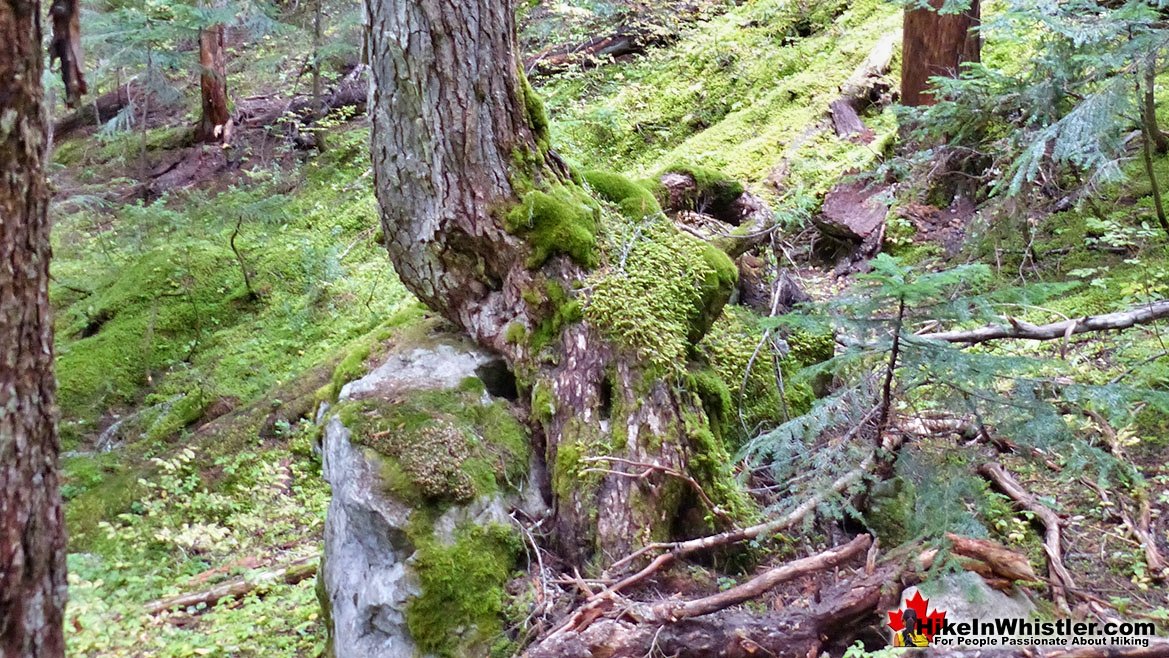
(211, 302)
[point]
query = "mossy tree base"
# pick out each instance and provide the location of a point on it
(578, 278)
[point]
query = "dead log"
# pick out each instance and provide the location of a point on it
(1016, 328)
(624, 41)
(66, 48)
(1000, 562)
(291, 574)
(847, 122)
(726, 203)
(95, 112)
(869, 83)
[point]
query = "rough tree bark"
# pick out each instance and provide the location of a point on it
(213, 126)
(32, 532)
(936, 45)
(459, 142)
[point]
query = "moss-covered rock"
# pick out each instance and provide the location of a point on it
(458, 612)
(436, 446)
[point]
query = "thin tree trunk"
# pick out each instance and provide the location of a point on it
(66, 48)
(458, 138)
(1149, 113)
(936, 45)
(213, 127)
(317, 11)
(32, 532)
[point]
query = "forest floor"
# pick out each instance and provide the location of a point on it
(207, 300)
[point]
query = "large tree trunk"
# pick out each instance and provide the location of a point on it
(32, 533)
(936, 45)
(213, 127)
(459, 142)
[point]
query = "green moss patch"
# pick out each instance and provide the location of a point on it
(560, 219)
(661, 292)
(462, 599)
(728, 349)
(634, 200)
(736, 94)
(437, 446)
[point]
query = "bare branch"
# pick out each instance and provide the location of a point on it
(1057, 330)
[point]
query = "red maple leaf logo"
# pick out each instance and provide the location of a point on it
(932, 620)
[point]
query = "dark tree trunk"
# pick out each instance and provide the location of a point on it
(213, 127)
(458, 140)
(32, 532)
(936, 45)
(66, 48)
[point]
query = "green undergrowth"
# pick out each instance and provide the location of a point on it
(151, 300)
(441, 446)
(158, 333)
(735, 93)
(183, 535)
(732, 348)
(1111, 253)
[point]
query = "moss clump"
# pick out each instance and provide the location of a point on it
(890, 513)
(715, 190)
(634, 200)
(728, 349)
(516, 333)
(350, 368)
(659, 300)
(560, 219)
(716, 398)
(437, 446)
(710, 464)
(566, 473)
(720, 280)
(462, 585)
(537, 115)
(559, 311)
(543, 405)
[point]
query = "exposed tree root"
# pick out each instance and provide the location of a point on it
(1057, 330)
(706, 627)
(1061, 580)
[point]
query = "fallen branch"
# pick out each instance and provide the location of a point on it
(291, 574)
(759, 585)
(1137, 527)
(1000, 562)
(840, 611)
(1061, 579)
(1057, 330)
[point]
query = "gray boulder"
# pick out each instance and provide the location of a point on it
(424, 464)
